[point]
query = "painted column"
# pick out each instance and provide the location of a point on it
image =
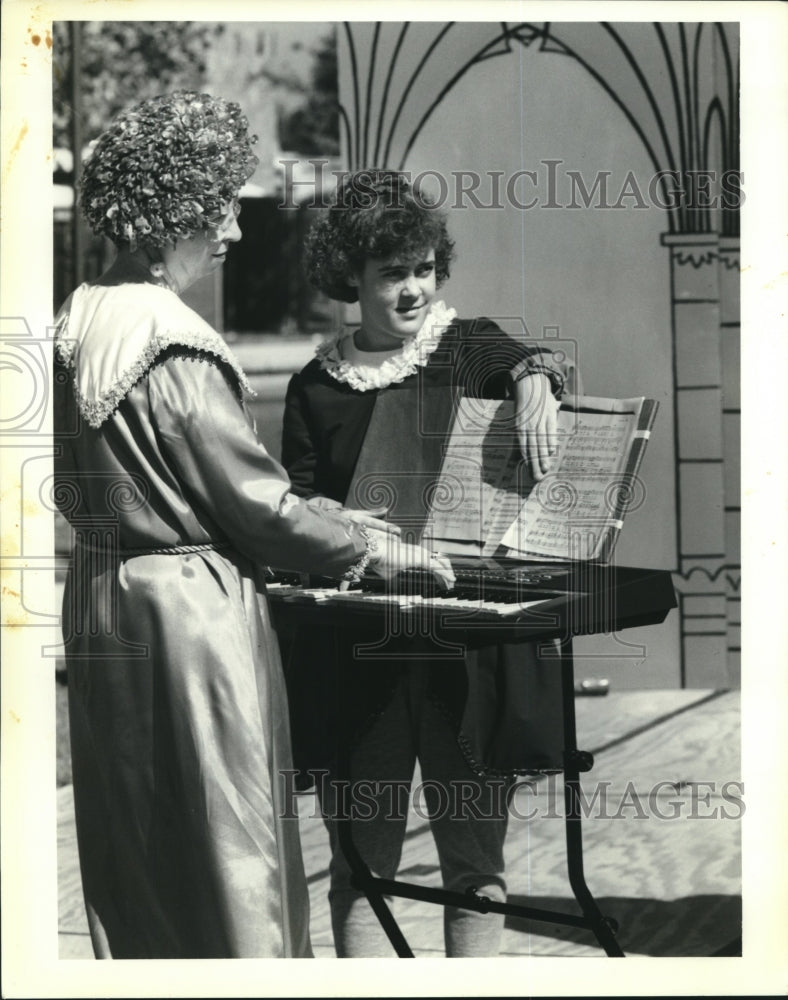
(698, 308)
(730, 349)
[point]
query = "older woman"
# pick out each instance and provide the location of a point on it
(177, 704)
(472, 722)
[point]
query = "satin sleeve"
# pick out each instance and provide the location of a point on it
(225, 470)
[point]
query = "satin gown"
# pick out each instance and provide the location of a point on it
(188, 844)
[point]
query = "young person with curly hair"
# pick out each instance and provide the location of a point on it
(472, 721)
(177, 702)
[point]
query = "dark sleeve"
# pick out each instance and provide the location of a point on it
(226, 470)
(490, 361)
(299, 456)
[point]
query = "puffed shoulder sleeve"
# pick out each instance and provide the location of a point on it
(226, 470)
(494, 360)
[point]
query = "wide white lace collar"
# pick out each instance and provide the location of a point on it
(389, 367)
(109, 336)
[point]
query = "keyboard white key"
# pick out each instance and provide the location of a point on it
(496, 608)
(307, 595)
(354, 598)
(515, 609)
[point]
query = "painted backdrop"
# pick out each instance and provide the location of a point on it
(592, 175)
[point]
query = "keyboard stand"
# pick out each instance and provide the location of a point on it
(575, 762)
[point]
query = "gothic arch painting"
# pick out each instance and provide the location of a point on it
(676, 86)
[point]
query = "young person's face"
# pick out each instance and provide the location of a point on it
(394, 294)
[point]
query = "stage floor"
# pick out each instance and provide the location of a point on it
(661, 839)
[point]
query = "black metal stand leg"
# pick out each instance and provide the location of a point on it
(576, 761)
(362, 877)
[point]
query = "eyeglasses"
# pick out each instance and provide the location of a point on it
(226, 219)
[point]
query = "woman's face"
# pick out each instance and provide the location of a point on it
(191, 259)
(394, 294)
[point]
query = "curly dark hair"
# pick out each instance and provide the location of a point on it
(375, 214)
(166, 166)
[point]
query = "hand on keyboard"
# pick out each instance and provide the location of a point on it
(373, 518)
(394, 556)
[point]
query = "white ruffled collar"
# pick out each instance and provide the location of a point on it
(108, 336)
(383, 368)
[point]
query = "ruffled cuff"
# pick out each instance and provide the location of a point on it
(545, 364)
(359, 568)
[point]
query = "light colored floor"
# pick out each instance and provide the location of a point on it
(661, 841)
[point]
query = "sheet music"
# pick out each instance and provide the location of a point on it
(477, 485)
(485, 497)
(566, 514)
(483, 481)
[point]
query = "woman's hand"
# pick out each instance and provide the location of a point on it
(394, 556)
(372, 518)
(536, 415)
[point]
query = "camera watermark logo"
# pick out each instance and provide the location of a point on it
(25, 372)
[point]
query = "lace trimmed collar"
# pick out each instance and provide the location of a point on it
(109, 336)
(392, 367)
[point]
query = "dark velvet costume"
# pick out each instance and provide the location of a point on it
(502, 701)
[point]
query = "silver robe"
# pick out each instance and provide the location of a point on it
(179, 725)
